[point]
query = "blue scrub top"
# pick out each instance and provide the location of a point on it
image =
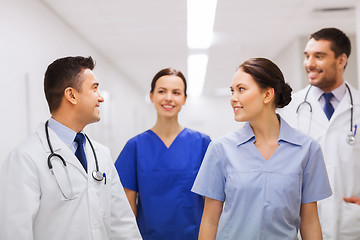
(163, 177)
(262, 197)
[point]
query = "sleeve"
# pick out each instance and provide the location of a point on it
(210, 180)
(126, 166)
(123, 222)
(20, 196)
(315, 184)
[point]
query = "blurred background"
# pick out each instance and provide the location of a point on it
(132, 40)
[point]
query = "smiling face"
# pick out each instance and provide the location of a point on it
(247, 98)
(323, 69)
(88, 98)
(168, 96)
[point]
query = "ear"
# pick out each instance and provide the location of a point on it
(70, 95)
(185, 98)
(342, 60)
(151, 95)
(269, 94)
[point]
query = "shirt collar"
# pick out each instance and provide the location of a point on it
(338, 92)
(66, 134)
(246, 134)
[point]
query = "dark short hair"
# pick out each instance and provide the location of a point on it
(168, 72)
(267, 74)
(61, 74)
(340, 43)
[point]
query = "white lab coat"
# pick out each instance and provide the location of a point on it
(339, 220)
(32, 206)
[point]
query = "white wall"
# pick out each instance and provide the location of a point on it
(290, 61)
(31, 37)
(211, 115)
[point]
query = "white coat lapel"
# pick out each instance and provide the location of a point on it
(344, 105)
(319, 119)
(90, 157)
(59, 147)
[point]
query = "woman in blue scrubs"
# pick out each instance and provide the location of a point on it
(264, 180)
(158, 167)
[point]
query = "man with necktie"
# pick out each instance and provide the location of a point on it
(60, 184)
(329, 111)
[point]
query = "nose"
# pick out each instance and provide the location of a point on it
(169, 96)
(234, 98)
(100, 97)
(309, 62)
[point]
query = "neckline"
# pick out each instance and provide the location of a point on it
(172, 143)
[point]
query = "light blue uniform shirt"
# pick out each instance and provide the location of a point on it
(262, 197)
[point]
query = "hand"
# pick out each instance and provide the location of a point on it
(352, 199)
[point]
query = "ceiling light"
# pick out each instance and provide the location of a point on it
(200, 23)
(334, 9)
(197, 65)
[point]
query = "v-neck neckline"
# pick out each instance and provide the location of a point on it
(157, 136)
(262, 157)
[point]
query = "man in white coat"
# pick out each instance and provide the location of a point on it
(329, 110)
(58, 188)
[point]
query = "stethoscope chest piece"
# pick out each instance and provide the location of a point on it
(97, 175)
(350, 139)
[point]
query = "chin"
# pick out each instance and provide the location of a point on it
(314, 82)
(238, 119)
(95, 119)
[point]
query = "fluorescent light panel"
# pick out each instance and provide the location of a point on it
(197, 65)
(200, 23)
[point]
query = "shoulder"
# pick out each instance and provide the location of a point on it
(27, 154)
(190, 133)
(144, 136)
(99, 146)
(229, 139)
(301, 92)
(355, 94)
(297, 137)
(30, 145)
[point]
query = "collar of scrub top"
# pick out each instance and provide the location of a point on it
(246, 134)
(338, 92)
(65, 134)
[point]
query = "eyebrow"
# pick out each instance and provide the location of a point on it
(238, 85)
(317, 53)
(177, 89)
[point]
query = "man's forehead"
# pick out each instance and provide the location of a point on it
(318, 46)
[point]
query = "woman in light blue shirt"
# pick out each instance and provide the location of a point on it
(264, 180)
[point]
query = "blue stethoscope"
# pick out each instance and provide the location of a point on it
(350, 138)
(96, 174)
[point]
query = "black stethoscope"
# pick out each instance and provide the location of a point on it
(96, 174)
(350, 138)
